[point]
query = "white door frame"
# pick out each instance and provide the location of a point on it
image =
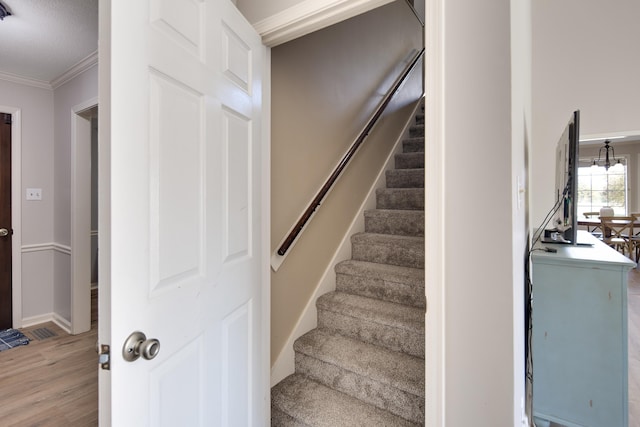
(81, 217)
(16, 212)
(306, 17)
(435, 218)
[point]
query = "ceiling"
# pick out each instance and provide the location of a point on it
(42, 39)
(618, 138)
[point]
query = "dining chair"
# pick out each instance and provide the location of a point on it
(636, 231)
(595, 228)
(606, 211)
(617, 232)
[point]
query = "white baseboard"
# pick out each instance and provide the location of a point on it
(49, 317)
(284, 364)
(62, 322)
(36, 320)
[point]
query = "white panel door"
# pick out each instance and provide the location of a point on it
(187, 227)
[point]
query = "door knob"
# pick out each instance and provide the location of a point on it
(4, 232)
(137, 345)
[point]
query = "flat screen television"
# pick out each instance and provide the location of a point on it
(564, 227)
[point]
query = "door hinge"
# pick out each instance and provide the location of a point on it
(104, 357)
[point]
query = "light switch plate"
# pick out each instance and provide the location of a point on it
(34, 193)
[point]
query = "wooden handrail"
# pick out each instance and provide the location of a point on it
(347, 157)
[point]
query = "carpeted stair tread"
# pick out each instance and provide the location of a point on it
(416, 130)
(394, 221)
(393, 368)
(378, 311)
(400, 198)
(402, 285)
(315, 405)
(413, 145)
(406, 251)
(409, 160)
(394, 326)
(420, 118)
(387, 379)
(405, 178)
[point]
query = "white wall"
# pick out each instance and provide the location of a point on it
(521, 118)
(76, 91)
(36, 105)
(483, 154)
(79, 90)
(37, 150)
(586, 57)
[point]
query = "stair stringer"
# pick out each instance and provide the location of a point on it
(284, 364)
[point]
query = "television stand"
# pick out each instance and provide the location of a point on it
(579, 341)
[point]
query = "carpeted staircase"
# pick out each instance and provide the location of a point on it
(364, 363)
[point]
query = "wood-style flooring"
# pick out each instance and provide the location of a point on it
(53, 381)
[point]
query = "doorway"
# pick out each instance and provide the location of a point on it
(6, 231)
(83, 212)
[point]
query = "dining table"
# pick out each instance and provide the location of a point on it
(596, 223)
(592, 224)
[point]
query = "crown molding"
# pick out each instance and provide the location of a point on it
(14, 78)
(77, 69)
(309, 16)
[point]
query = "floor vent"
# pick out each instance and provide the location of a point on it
(43, 333)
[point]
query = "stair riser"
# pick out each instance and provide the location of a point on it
(413, 145)
(281, 419)
(405, 178)
(383, 396)
(416, 131)
(400, 198)
(397, 292)
(409, 160)
(390, 337)
(399, 225)
(402, 253)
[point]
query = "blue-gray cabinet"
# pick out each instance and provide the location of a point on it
(579, 335)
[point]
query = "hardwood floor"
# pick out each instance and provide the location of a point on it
(53, 381)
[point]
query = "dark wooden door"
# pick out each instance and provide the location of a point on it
(5, 221)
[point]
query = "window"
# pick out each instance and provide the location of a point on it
(598, 188)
